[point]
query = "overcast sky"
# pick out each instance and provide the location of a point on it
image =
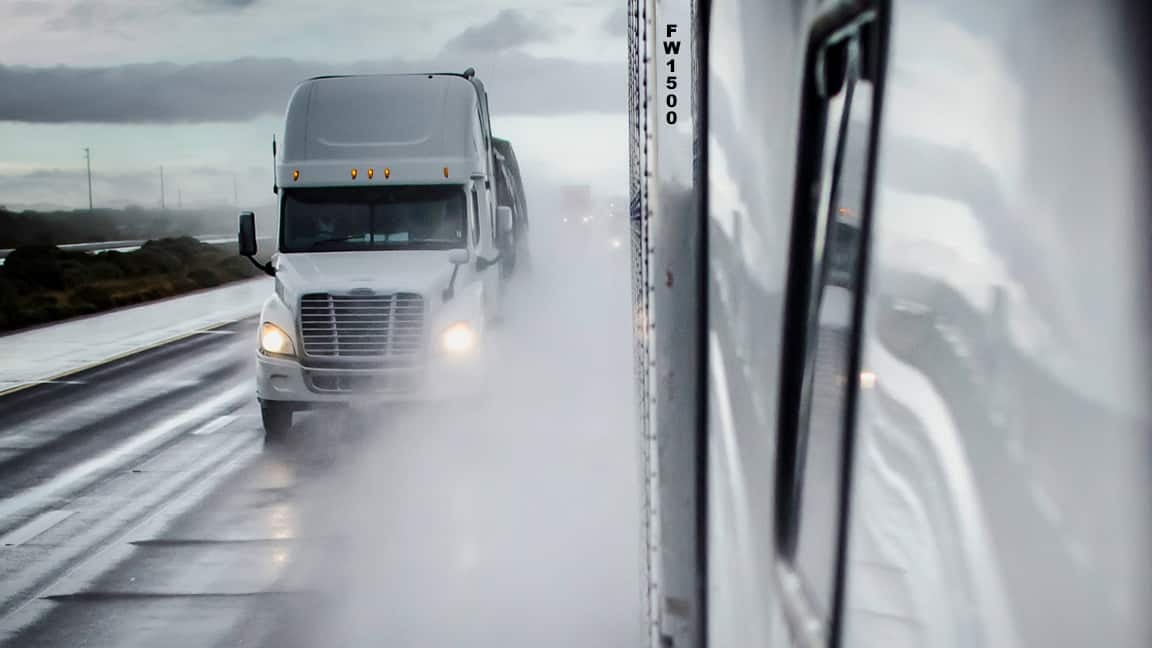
(200, 86)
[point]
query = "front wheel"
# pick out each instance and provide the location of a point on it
(277, 419)
(523, 256)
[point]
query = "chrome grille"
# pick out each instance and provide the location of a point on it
(388, 327)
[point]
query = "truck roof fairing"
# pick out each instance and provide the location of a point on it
(409, 123)
(327, 173)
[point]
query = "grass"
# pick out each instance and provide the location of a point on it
(41, 284)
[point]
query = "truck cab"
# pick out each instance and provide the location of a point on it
(386, 266)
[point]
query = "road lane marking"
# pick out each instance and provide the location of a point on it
(22, 385)
(99, 551)
(34, 527)
(215, 425)
(43, 382)
(28, 498)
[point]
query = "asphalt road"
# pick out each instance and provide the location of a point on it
(137, 507)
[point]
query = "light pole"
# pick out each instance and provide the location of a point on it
(88, 163)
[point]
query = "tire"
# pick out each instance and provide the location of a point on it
(508, 264)
(277, 418)
(524, 257)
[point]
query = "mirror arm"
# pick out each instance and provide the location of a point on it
(265, 267)
(450, 291)
(483, 264)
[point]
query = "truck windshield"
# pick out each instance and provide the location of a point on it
(346, 218)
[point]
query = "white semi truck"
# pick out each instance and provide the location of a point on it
(386, 269)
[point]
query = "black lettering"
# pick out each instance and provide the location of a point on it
(671, 49)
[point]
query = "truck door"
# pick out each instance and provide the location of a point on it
(483, 209)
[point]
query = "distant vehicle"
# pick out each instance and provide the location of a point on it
(617, 225)
(894, 321)
(576, 204)
(389, 236)
(590, 224)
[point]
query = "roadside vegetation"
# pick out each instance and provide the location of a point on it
(42, 283)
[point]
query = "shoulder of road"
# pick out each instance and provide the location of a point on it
(51, 353)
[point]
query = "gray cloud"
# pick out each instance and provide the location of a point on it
(24, 8)
(90, 15)
(616, 22)
(80, 16)
(222, 4)
(508, 30)
(243, 89)
(100, 15)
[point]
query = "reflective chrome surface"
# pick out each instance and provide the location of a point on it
(1001, 448)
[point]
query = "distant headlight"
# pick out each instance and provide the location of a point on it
(615, 243)
(274, 341)
(458, 338)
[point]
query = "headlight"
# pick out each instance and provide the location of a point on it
(615, 243)
(458, 338)
(274, 341)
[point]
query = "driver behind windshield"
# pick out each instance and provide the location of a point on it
(324, 220)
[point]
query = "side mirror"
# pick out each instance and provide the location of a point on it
(504, 219)
(246, 238)
(458, 258)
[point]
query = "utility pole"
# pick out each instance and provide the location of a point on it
(88, 162)
(179, 197)
(161, 186)
(235, 193)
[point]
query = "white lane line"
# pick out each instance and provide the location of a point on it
(43, 382)
(99, 551)
(33, 528)
(22, 385)
(215, 425)
(152, 436)
(215, 332)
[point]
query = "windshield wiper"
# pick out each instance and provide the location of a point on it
(339, 239)
(384, 243)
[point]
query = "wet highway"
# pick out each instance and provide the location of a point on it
(138, 507)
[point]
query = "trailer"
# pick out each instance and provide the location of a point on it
(510, 193)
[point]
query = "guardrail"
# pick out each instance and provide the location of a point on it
(130, 245)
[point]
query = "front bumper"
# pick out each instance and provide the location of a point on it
(444, 379)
